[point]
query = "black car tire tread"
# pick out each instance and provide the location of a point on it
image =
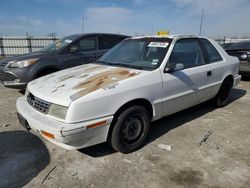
(116, 140)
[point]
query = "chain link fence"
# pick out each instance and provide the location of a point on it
(14, 45)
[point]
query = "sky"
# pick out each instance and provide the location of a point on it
(132, 17)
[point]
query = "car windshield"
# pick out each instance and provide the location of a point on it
(143, 53)
(59, 44)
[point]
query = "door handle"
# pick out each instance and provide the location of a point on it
(209, 73)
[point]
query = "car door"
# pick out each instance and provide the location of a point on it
(216, 65)
(184, 88)
(81, 52)
(88, 49)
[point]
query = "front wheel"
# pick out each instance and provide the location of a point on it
(131, 129)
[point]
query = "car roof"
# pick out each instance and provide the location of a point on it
(91, 34)
(169, 36)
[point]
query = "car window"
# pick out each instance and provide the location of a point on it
(107, 42)
(212, 54)
(240, 46)
(187, 52)
(59, 44)
(87, 44)
(145, 53)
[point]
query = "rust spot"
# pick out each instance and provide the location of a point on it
(80, 71)
(124, 72)
(132, 74)
(101, 80)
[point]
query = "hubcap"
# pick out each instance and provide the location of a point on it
(132, 130)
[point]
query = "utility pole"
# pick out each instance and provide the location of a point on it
(82, 24)
(202, 15)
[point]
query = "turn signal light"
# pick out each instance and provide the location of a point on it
(48, 134)
(98, 124)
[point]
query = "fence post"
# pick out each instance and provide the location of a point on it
(1, 45)
(29, 42)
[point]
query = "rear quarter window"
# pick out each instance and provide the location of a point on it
(211, 52)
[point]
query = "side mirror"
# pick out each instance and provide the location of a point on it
(73, 49)
(179, 66)
(174, 67)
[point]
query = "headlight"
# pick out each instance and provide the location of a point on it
(21, 64)
(58, 111)
(243, 56)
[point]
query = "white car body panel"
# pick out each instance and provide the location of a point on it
(95, 92)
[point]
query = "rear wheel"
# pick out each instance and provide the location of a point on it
(222, 98)
(130, 130)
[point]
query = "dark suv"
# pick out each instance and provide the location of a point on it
(242, 51)
(73, 50)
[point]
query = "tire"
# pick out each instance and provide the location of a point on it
(131, 129)
(222, 98)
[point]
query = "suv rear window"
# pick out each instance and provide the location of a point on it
(107, 42)
(240, 46)
(212, 54)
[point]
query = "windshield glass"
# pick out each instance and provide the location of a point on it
(145, 53)
(59, 44)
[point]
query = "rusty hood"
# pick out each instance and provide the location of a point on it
(68, 85)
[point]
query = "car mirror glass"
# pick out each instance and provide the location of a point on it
(173, 67)
(178, 66)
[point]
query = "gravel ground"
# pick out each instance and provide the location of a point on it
(222, 161)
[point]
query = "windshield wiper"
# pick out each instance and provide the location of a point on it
(137, 67)
(124, 65)
(108, 63)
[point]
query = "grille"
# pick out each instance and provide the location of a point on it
(4, 76)
(38, 104)
(3, 64)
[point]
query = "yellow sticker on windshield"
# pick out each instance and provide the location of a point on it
(158, 44)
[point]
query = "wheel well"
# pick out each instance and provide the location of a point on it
(45, 71)
(228, 81)
(136, 102)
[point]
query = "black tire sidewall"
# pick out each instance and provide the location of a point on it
(116, 135)
(222, 102)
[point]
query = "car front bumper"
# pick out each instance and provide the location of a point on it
(67, 135)
(244, 68)
(237, 80)
(13, 78)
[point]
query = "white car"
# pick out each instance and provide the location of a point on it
(140, 80)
